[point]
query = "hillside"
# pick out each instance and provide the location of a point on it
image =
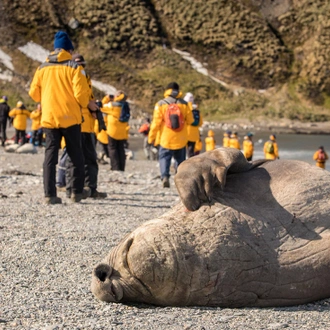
(262, 58)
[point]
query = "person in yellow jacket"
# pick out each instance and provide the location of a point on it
(171, 116)
(248, 146)
(234, 142)
(320, 156)
(20, 115)
(193, 129)
(61, 86)
(88, 140)
(210, 142)
(102, 137)
(226, 139)
(271, 148)
(118, 113)
(37, 133)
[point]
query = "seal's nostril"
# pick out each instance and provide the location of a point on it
(101, 275)
(102, 271)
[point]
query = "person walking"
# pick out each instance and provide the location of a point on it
(4, 117)
(144, 129)
(88, 141)
(210, 142)
(193, 129)
(118, 114)
(271, 148)
(248, 146)
(36, 126)
(320, 156)
(170, 117)
(60, 85)
(20, 115)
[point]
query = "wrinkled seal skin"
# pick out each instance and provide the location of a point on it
(259, 237)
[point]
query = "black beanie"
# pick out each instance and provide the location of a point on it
(173, 85)
(62, 41)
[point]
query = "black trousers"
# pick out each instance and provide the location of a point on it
(37, 136)
(72, 136)
(20, 134)
(91, 168)
(3, 127)
(191, 149)
(117, 154)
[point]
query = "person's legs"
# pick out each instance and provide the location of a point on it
(91, 167)
(3, 126)
(72, 136)
(53, 138)
(121, 154)
(165, 156)
(191, 148)
(113, 154)
(61, 182)
(39, 137)
(179, 156)
(16, 136)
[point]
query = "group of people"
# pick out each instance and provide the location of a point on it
(67, 112)
(18, 117)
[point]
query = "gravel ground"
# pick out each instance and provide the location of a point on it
(48, 253)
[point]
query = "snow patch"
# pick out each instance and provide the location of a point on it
(34, 51)
(6, 60)
(6, 75)
(198, 66)
(38, 53)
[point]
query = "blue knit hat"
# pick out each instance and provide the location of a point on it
(62, 41)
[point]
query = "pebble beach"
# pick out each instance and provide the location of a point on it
(48, 253)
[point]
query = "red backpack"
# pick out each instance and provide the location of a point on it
(174, 118)
(321, 156)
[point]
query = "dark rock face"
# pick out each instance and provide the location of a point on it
(262, 239)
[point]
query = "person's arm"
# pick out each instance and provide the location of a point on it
(80, 86)
(155, 124)
(35, 89)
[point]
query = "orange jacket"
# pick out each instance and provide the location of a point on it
(61, 86)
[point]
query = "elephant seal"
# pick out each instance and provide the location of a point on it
(258, 236)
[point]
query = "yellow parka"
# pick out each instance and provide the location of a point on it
(320, 163)
(101, 136)
(234, 143)
(198, 146)
(20, 118)
(269, 155)
(193, 131)
(116, 129)
(210, 141)
(169, 139)
(225, 140)
(248, 148)
(87, 125)
(35, 116)
(60, 85)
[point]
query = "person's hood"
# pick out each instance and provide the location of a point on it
(59, 55)
(173, 93)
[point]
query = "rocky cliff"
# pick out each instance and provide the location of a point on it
(261, 57)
